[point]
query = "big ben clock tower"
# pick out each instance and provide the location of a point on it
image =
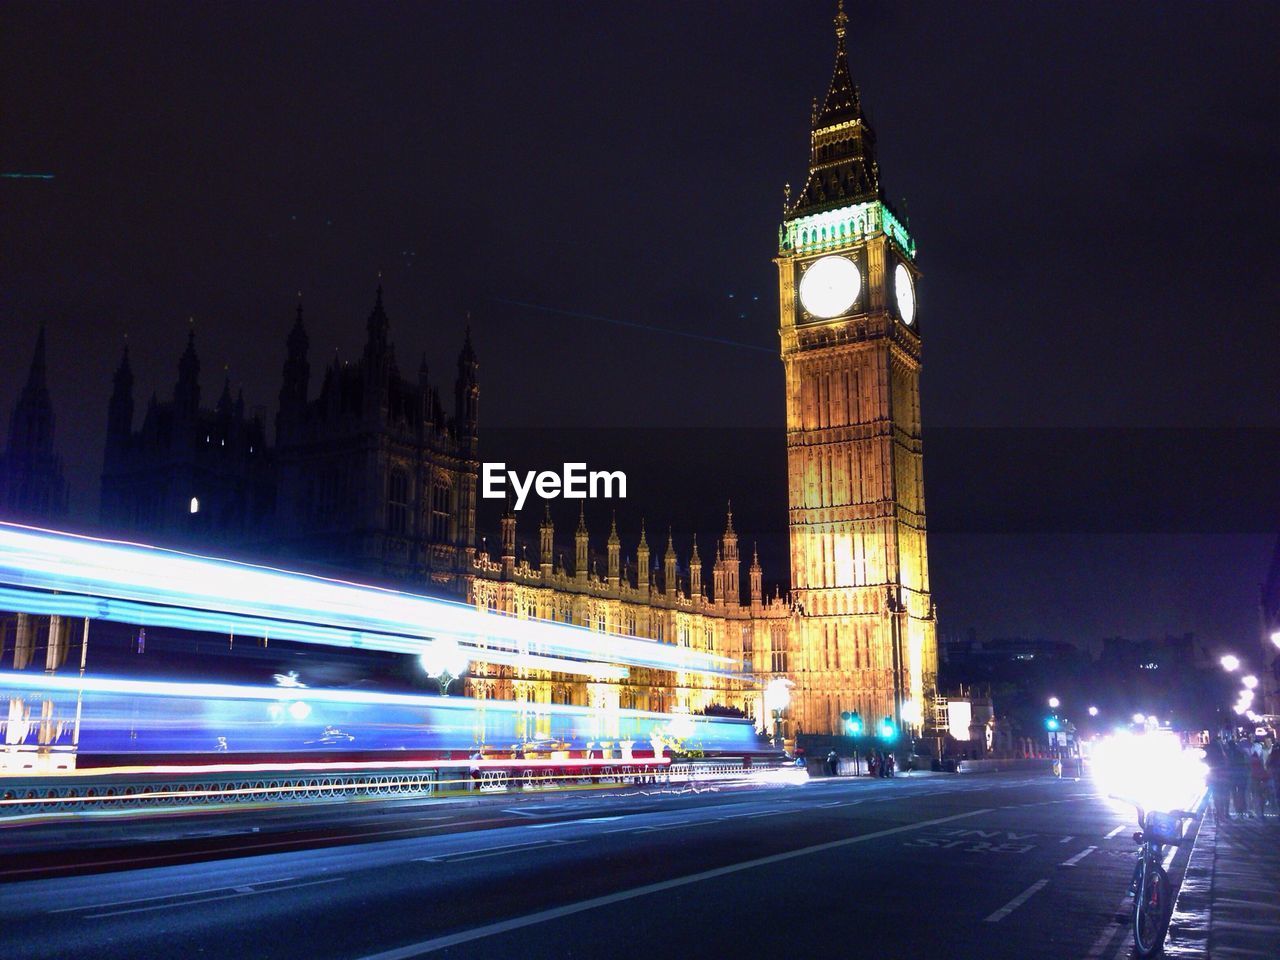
(851, 348)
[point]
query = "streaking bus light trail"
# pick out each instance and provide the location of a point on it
(36, 559)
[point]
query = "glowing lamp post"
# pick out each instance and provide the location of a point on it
(1054, 703)
(777, 697)
(444, 662)
(1093, 711)
(1250, 681)
(1230, 663)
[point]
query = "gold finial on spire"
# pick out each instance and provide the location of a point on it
(841, 21)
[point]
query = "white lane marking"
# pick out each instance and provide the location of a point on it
(447, 816)
(1066, 839)
(1114, 832)
(1108, 934)
(542, 916)
(498, 851)
(486, 851)
(189, 902)
(166, 896)
(1078, 857)
(1017, 901)
(666, 826)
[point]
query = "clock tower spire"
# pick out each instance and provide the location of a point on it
(851, 352)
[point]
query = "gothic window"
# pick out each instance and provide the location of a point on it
(746, 639)
(398, 502)
(440, 512)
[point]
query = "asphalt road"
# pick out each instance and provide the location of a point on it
(982, 866)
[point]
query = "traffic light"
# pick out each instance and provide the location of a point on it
(1051, 723)
(852, 723)
(887, 730)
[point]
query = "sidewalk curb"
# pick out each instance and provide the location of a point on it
(1187, 934)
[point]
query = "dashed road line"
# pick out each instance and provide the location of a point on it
(1115, 832)
(1078, 857)
(1017, 901)
(235, 894)
(167, 896)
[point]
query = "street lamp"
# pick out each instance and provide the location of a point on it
(1275, 638)
(1250, 681)
(1230, 662)
(1139, 718)
(1054, 702)
(444, 661)
(777, 697)
(1093, 711)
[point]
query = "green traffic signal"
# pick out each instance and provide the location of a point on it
(887, 730)
(1051, 723)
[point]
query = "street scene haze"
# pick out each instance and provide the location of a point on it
(594, 480)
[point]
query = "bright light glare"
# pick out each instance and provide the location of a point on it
(1230, 662)
(445, 657)
(911, 712)
(1275, 638)
(959, 717)
(1055, 702)
(1150, 769)
(1139, 718)
(1093, 711)
(299, 710)
(1250, 681)
(777, 694)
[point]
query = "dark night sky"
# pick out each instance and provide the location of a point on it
(1092, 187)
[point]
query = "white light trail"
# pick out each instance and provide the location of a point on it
(32, 558)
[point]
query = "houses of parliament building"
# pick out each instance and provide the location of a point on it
(371, 472)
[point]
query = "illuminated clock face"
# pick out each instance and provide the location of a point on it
(830, 287)
(905, 294)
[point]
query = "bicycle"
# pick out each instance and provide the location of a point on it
(1150, 886)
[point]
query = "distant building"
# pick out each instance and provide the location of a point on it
(369, 477)
(374, 475)
(188, 474)
(32, 487)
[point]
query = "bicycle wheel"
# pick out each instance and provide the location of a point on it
(1150, 908)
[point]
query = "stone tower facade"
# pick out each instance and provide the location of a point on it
(32, 486)
(851, 349)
